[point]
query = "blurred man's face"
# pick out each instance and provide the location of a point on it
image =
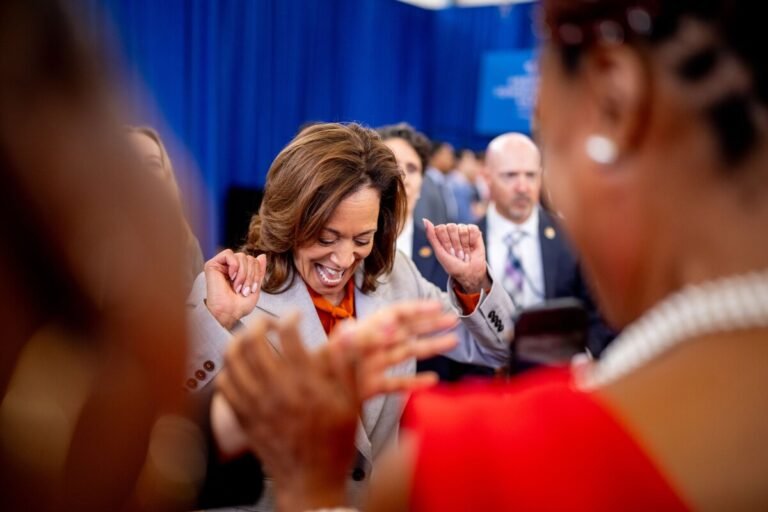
(469, 165)
(514, 176)
(443, 160)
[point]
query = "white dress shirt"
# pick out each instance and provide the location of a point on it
(405, 240)
(528, 250)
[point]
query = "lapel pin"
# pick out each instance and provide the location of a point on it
(425, 252)
(549, 232)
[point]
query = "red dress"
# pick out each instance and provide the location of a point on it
(533, 444)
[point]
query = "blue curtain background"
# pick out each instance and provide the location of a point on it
(230, 81)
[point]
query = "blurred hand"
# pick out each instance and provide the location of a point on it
(460, 250)
(298, 411)
(233, 281)
(297, 415)
(387, 338)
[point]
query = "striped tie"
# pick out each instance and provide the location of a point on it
(514, 274)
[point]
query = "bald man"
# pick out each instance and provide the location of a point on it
(526, 250)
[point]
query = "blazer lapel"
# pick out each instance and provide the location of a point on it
(548, 241)
(295, 298)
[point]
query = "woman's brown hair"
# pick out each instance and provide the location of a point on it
(323, 165)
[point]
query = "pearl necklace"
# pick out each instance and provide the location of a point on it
(727, 304)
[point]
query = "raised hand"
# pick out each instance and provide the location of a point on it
(460, 250)
(233, 281)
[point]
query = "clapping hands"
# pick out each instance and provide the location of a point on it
(298, 410)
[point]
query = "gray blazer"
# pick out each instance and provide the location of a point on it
(483, 339)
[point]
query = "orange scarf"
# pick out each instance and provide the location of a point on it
(331, 315)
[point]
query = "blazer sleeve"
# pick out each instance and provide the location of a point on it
(484, 334)
(208, 340)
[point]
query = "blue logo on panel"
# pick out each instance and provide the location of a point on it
(507, 92)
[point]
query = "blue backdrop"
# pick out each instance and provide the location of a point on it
(231, 81)
(508, 89)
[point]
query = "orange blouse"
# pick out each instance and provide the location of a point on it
(331, 315)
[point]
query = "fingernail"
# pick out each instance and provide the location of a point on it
(239, 287)
(246, 291)
(234, 277)
(453, 253)
(255, 287)
(461, 255)
(424, 221)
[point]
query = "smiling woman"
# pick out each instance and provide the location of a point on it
(330, 216)
(323, 243)
(344, 242)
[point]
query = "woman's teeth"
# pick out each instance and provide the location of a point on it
(328, 276)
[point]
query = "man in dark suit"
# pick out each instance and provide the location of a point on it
(526, 250)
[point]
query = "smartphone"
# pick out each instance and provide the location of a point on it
(549, 334)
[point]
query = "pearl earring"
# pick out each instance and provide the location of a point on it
(601, 149)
